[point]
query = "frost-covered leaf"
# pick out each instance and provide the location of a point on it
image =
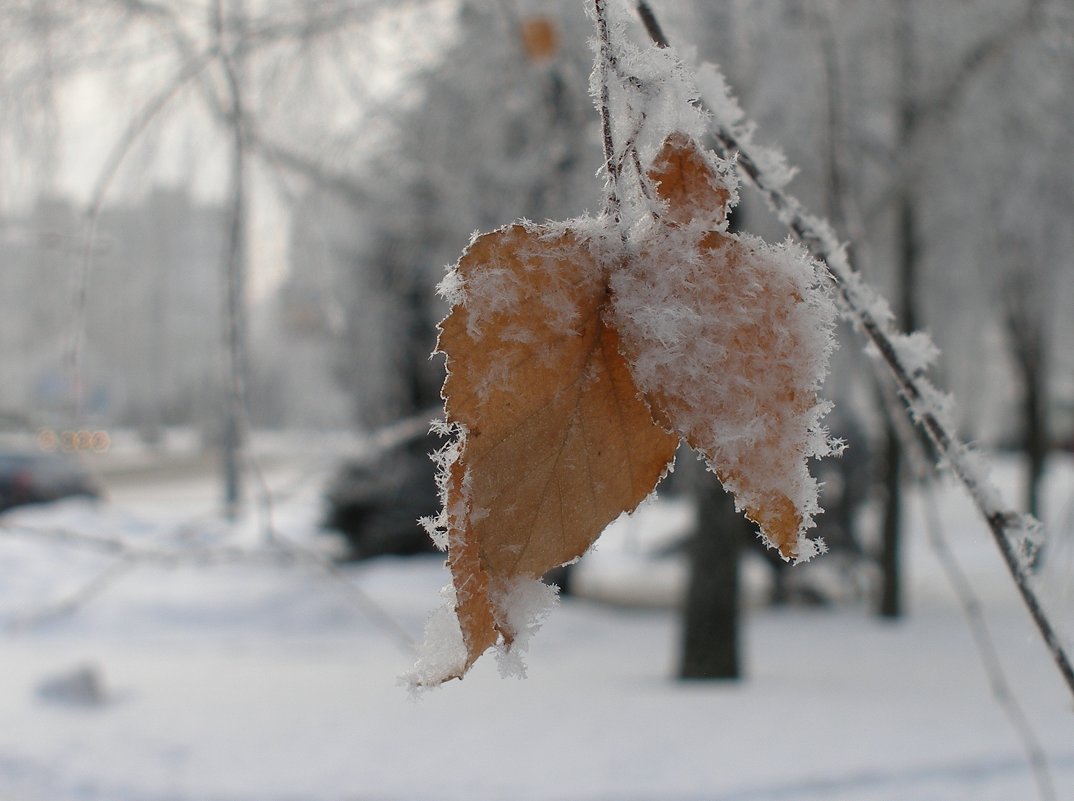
(687, 182)
(572, 351)
(554, 441)
(729, 338)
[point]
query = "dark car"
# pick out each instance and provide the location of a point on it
(37, 477)
(376, 502)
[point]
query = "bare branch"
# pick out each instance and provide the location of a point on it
(234, 271)
(605, 64)
(346, 187)
(989, 50)
(652, 25)
(136, 129)
(149, 554)
(1011, 531)
(72, 602)
(127, 555)
(972, 608)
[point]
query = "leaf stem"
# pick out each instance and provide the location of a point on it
(605, 64)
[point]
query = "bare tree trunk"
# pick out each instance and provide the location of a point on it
(1026, 338)
(1013, 533)
(710, 627)
(890, 603)
(235, 282)
(1034, 434)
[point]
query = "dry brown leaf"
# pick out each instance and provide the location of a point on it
(473, 604)
(565, 377)
(539, 38)
(687, 182)
(720, 338)
(556, 442)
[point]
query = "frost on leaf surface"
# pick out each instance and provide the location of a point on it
(577, 355)
(728, 339)
(555, 441)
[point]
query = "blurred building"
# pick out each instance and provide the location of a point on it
(142, 310)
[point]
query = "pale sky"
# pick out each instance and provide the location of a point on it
(184, 146)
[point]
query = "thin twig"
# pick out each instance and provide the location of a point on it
(127, 555)
(272, 537)
(70, 603)
(987, 51)
(605, 64)
(972, 608)
(136, 128)
(652, 25)
(916, 390)
(149, 554)
(234, 311)
(359, 597)
(986, 648)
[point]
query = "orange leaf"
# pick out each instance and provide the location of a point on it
(726, 347)
(565, 377)
(556, 441)
(539, 38)
(687, 182)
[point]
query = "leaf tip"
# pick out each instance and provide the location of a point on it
(686, 180)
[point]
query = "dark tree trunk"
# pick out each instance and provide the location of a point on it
(889, 604)
(710, 630)
(1035, 445)
(907, 263)
(234, 428)
(1028, 351)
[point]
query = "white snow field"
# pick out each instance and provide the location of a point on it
(266, 682)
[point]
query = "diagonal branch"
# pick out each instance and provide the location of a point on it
(71, 602)
(281, 156)
(985, 52)
(126, 555)
(136, 129)
(1012, 531)
(972, 609)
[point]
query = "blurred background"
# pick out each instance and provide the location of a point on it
(222, 223)
(302, 172)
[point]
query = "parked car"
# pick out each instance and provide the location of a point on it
(35, 477)
(375, 502)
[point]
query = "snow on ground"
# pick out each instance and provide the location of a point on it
(254, 682)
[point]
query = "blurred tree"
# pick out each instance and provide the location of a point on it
(904, 88)
(710, 644)
(396, 128)
(500, 128)
(1026, 257)
(226, 61)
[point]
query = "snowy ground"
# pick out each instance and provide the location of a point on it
(254, 682)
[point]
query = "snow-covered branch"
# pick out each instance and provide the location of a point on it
(972, 608)
(904, 356)
(606, 63)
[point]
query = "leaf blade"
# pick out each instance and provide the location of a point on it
(556, 441)
(729, 338)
